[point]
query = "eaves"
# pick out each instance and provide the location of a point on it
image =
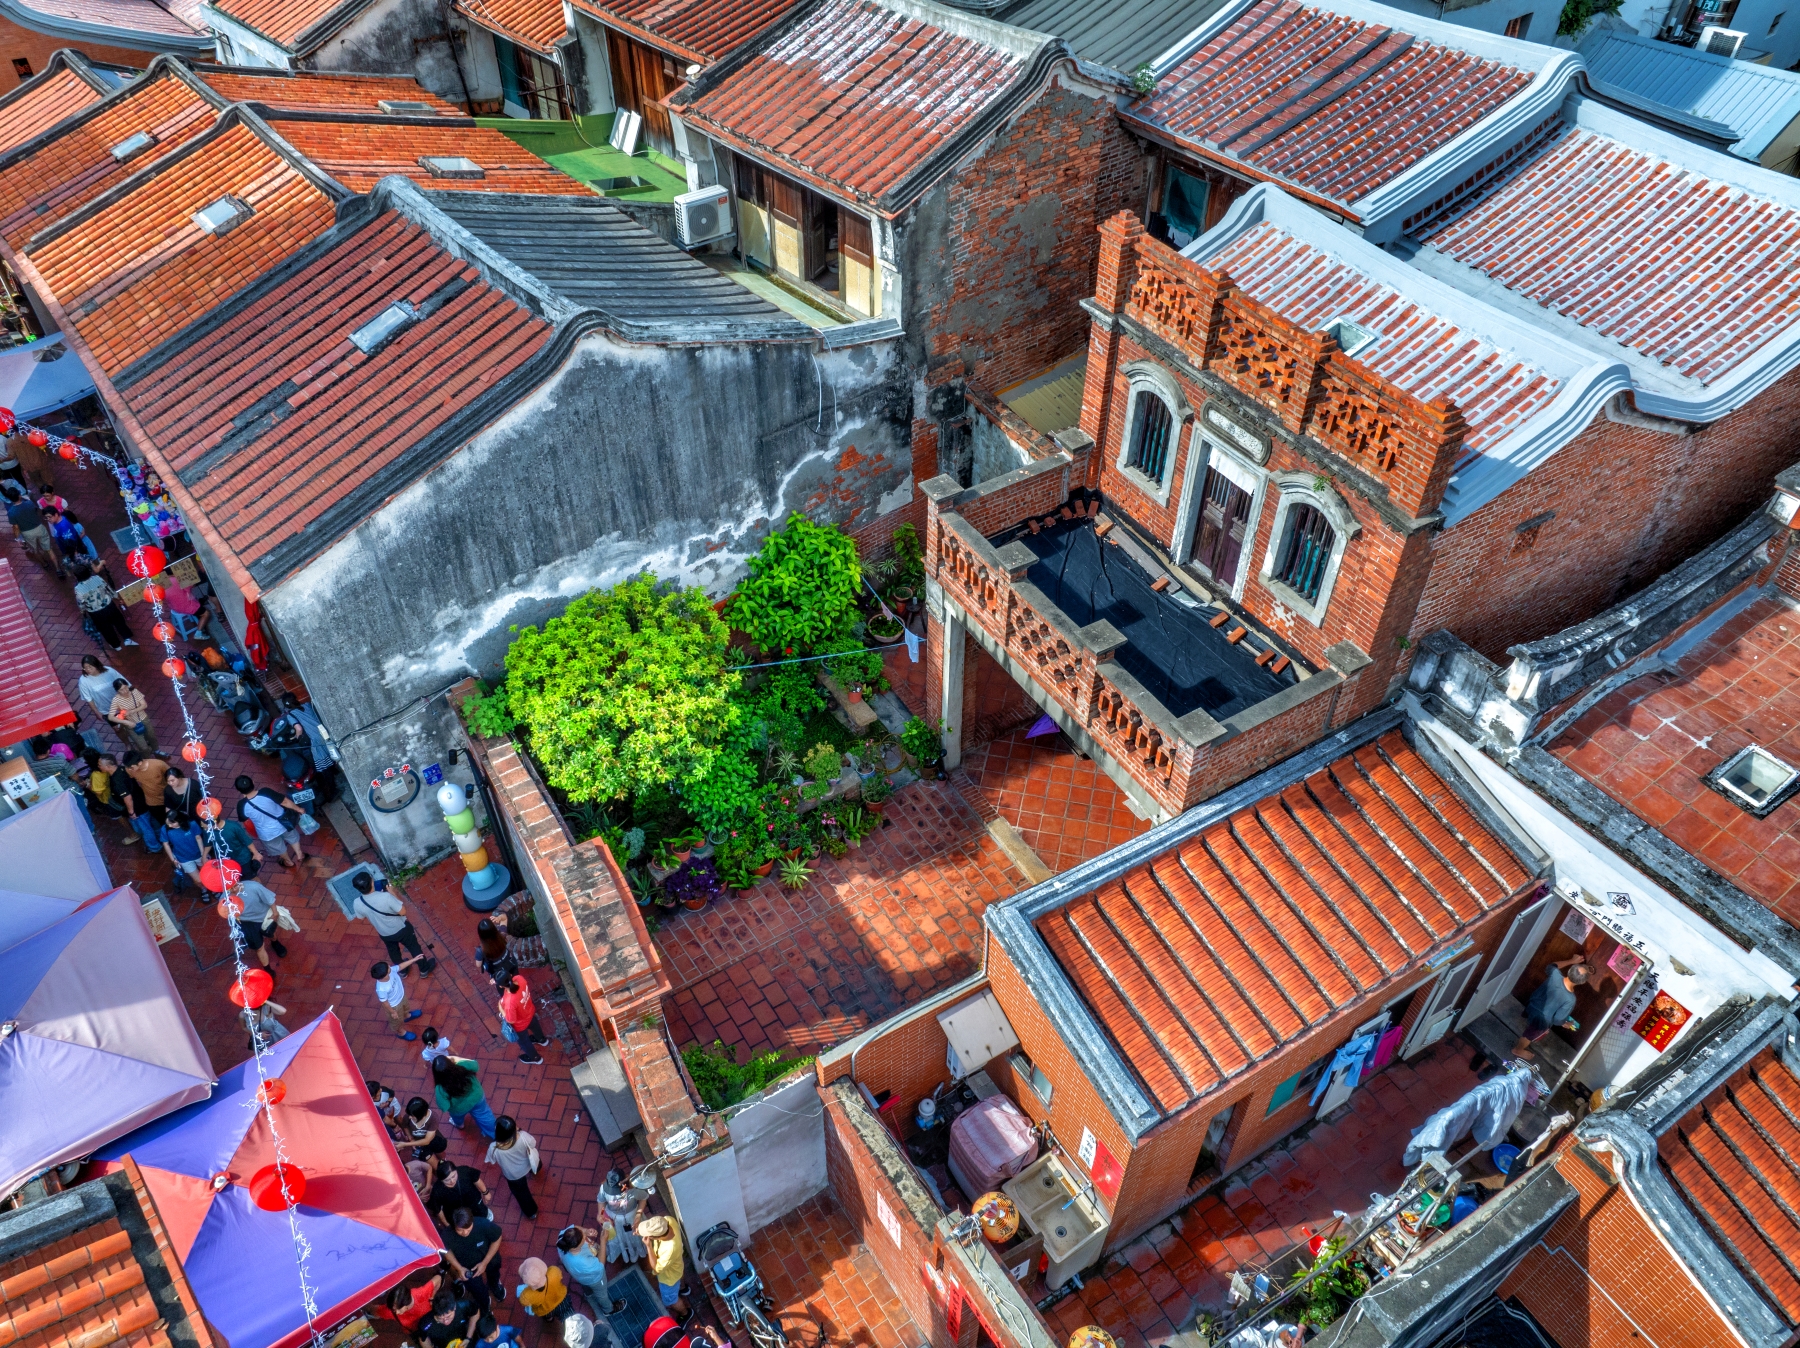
(1237, 168)
(307, 40)
(76, 30)
(472, 11)
(641, 35)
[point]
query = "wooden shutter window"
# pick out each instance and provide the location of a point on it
(855, 238)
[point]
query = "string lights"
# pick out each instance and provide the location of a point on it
(281, 1185)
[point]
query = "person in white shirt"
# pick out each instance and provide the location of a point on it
(390, 991)
(435, 1046)
(96, 685)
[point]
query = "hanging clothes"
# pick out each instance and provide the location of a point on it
(1486, 1112)
(1352, 1056)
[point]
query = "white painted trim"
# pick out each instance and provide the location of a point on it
(1298, 488)
(1205, 452)
(1145, 376)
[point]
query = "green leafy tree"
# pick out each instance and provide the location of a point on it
(802, 588)
(629, 688)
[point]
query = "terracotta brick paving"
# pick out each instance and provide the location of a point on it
(826, 1284)
(872, 932)
(1067, 809)
(1650, 745)
(1148, 1289)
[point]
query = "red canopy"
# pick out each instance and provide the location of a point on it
(31, 696)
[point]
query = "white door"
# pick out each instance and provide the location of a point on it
(1522, 940)
(1435, 1020)
(1341, 1087)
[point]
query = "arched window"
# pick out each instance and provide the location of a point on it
(1152, 428)
(1312, 528)
(1306, 552)
(1155, 412)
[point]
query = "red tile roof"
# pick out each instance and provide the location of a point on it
(536, 24)
(297, 90)
(1333, 105)
(31, 695)
(1693, 272)
(856, 96)
(138, 270)
(76, 166)
(132, 21)
(41, 103)
(695, 30)
(1419, 351)
(359, 153)
(1651, 744)
(85, 1284)
(342, 417)
(1732, 1157)
(287, 22)
(1238, 942)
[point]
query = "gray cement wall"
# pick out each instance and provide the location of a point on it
(674, 460)
(400, 37)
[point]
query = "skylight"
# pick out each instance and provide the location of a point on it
(1351, 337)
(383, 326)
(223, 215)
(134, 144)
(406, 106)
(451, 166)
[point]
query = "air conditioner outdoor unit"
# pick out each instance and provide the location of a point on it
(1716, 41)
(702, 216)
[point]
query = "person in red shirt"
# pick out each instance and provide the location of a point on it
(412, 1305)
(519, 1019)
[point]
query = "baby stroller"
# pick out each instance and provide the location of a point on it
(738, 1285)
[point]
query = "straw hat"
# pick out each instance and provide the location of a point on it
(534, 1272)
(654, 1228)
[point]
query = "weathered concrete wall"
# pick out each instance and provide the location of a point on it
(399, 37)
(239, 46)
(676, 460)
(779, 1140)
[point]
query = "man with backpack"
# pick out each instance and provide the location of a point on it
(271, 817)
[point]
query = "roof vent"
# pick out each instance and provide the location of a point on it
(451, 166)
(133, 145)
(223, 216)
(383, 326)
(1755, 779)
(1350, 337)
(407, 107)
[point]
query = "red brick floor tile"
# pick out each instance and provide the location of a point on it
(1066, 809)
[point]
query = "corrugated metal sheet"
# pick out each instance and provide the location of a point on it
(31, 696)
(1120, 37)
(1755, 101)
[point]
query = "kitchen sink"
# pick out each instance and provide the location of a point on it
(1073, 1231)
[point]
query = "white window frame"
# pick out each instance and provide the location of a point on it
(1145, 376)
(1205, 452)
(1298, 489)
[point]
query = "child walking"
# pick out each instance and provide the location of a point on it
(390, 991)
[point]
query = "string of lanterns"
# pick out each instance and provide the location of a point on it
(279, 1186)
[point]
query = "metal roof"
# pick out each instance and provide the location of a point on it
(1120, 37)
(1756, 102)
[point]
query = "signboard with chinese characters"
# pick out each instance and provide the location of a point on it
(1624, 962)
(889, 1222)
(1662, 1021)
(161, 920)
(1101, 1167)
(1576, 925)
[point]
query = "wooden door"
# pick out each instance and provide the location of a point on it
(654, 78)
(859, 282)
(1439, 1014)
(1513, 957)
(1224, 517)
(786, 202)
(819, 222)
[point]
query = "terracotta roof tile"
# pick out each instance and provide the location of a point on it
(131, 20)
(1238, 941)
(1417, 350)
(41, 104)
(360, 153)
(76, 1287)
(301, 89)
(139, 270)
(273, 418)
(697, 30)
(31, 694)
(857, 95)
(285, 22)
(536, 24)
(1334, 105)
(1733, 1158)
(64, 173)
(1695, 273)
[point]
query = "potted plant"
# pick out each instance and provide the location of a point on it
(694, 884)
(662, 864)
(923, 742)
(765, 866)
(643, 889)
(876, 790)
(855, 822)
(882, 630)
(795, 873)
(682, 845)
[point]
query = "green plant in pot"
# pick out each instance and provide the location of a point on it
(875, 793)
(823, 763)
(795, 873)
(923, 742)
(855, 822)
(662, 863)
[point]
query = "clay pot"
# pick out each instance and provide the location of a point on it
(765, 868)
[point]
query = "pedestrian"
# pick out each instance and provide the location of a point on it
(96, 684)
(128, 793)
(28, 527)
(387, 914)
(261, 1020)
(418, 1128)
(256, 919)
(581, 1332)
(435, 1045)
(181, 792)
(130, 716)
(490, 1333)
(66, 533)
(621, 1208)
(1554, 1002)
(411, 1306)
(102, 798)
(150, 771)
(271, 817)
(541, 1292)
(177, 598)
(519, 1020)
(449, 1322)
(390, 991)
(459, 1093)
(387, 1104)
(419, 1173)
(492, 955)
(473, 1244)
(457, 1186)
(515, 1151)
(228, 841)
(99, 604)
(182, 845)
(662, 1238)
(584, 1260)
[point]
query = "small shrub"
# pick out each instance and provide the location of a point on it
(802, 588)
(795, 872)
(487, 714)
(697, 879)
(822, 763)
(922, 741)
(909, 554)
(723, 1081)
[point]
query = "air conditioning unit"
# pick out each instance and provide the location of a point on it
(702, 216)
(1716, 41)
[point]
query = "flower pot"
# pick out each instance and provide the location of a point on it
(703, 851)
(855, 695)
(766, 867)
(796, 852)
(682, 856)
(853, 842)
(693, 905)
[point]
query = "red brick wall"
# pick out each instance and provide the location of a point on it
(38, 48)
(993, 702)
(1022, 237)
(1602, 1278)
(907, 1059)
(1629, 503)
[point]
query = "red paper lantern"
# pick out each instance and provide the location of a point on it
(252, 990)
(271, 1092)
(145, 562)
(175, 669)
(67, 450)
(219, 874)
(208, 808)
(193, 750)
(37, 437)
(230, 907)
(7, 421)
(155, 593)
(164, 632)
(266, 1186)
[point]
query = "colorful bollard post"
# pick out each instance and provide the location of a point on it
(487, 881)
